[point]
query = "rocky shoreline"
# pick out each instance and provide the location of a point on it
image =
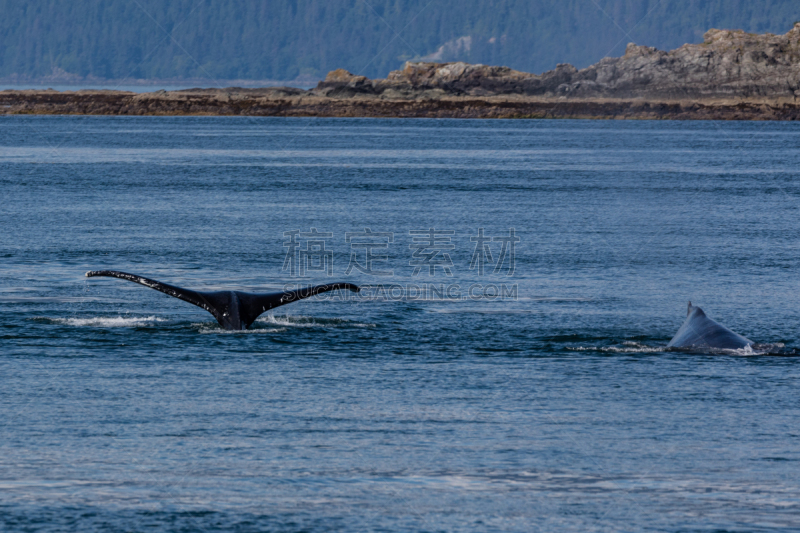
(732, 75)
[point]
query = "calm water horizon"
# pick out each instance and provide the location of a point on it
(505, 369)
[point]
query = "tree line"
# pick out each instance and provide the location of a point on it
(287, 39)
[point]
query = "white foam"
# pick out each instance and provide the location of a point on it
(296, 321)
(635, 347)
(486, 311)
(219, 331)
(756, 349)
(109, 322)
(627, 347)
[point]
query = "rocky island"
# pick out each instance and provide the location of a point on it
(730, 75)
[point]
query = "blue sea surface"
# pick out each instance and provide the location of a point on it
(531, 392)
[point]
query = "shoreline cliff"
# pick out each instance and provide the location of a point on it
(730, 75)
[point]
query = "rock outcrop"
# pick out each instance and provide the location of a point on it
(731, 75)
(727, 64)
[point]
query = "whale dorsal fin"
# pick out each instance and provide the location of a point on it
(699, 331)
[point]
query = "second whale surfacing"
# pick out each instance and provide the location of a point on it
(234, 310)
(700, 332)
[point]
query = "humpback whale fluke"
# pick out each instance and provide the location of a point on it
(233, 309)
(699, 331)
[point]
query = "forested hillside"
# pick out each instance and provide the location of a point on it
(286, 39)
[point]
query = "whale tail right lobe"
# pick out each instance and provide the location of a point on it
(254, 305)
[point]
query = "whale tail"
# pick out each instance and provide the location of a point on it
(234, 310)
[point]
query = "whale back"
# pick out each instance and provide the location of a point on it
(699, 331)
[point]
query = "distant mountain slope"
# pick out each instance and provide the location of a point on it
(287, 39)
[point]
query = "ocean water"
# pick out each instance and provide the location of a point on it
(535, 395)
(72, 88)
(151, 88)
